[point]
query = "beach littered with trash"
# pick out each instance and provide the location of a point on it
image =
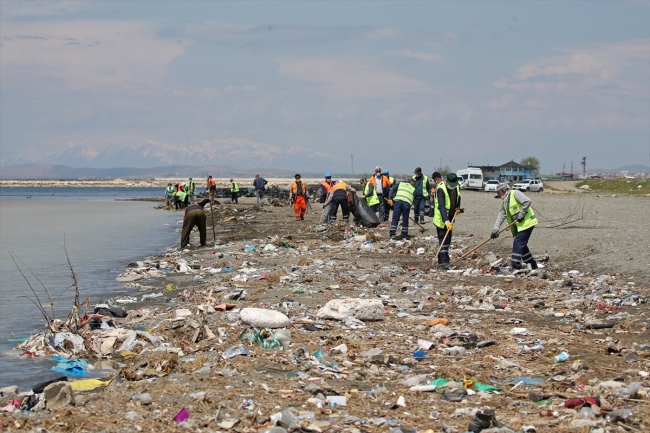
(359, 333)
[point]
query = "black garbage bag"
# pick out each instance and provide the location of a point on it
(364, 214)
(40, 387)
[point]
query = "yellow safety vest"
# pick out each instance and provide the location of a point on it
(234, 187)
(512, 208)
(425, 192)
(372, 199)
(437, 216)
(405, 192)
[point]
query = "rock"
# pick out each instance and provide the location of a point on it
(144, 398)
(133, 416)
(264, 318)
(8, 390)
(58, 395)
(361, 309)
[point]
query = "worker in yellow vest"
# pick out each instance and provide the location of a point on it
(401, 198)
(234, 191)
(370, 194)
(517, 207)
(447, 204)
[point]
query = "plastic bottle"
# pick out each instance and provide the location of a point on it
(587, 413)
(546, 413)
(562, 357)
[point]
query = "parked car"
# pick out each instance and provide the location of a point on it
(491, 185)
(529, 185)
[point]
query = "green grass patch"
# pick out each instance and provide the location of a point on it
(618, 186)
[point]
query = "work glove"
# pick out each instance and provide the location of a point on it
(390, 202)
(520, 217)
(459, 210)
(449, 225)
(494, 234)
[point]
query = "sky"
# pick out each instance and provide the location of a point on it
(396, 84)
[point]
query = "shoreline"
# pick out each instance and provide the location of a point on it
(301, 272)
(244, 182)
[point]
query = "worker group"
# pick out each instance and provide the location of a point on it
(381, 194)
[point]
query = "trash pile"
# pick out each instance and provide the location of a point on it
(346, 330)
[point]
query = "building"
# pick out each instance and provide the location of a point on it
(508, 172)
(490, 172)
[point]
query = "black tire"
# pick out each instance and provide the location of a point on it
(540, 190)
(528, 189)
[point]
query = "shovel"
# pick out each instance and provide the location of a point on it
(422, 229)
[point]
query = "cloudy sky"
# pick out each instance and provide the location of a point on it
(399, 84)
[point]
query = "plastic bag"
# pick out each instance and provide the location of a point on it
(364, 214)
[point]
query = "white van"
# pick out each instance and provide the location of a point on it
(472, 178)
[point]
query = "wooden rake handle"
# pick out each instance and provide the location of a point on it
(483, 243)
(444, 239)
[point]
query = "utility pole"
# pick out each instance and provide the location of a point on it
(584, 167)
(571, 169)
(352, 161)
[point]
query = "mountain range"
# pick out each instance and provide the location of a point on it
(53, 171)
(152, 154)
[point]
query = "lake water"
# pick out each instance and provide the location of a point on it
(101, 234)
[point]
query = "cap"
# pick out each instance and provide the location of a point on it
(452, 180)
(190, 178)
(328, 176)
(502, 187)
(384, 172)
(418, 170)
(436, 174)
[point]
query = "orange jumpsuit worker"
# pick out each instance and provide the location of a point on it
(299, 197)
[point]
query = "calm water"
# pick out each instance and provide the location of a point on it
(102, 235)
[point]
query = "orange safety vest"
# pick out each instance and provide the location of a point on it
(212, 182)
(294, 187)
(328, 186)
(340, 185)
(385, 181)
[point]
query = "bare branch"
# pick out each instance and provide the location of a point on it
(74, 313)
(38, 301)
(47, 292)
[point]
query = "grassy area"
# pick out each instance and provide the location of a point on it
(618, 186)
